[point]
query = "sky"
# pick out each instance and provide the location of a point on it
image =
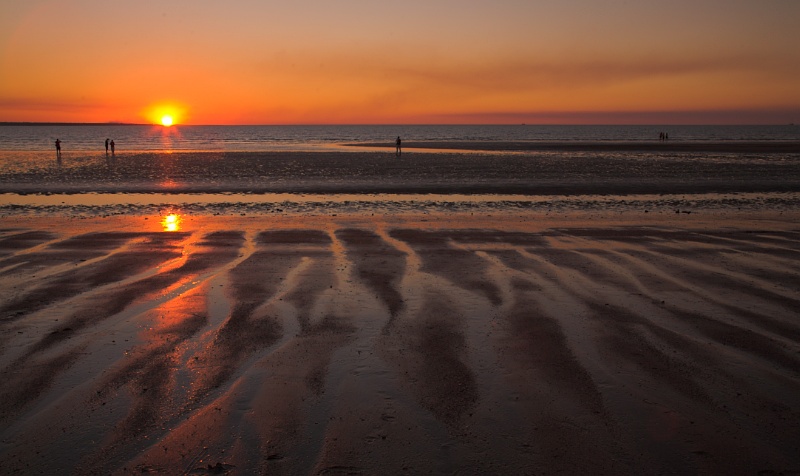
(410, 62)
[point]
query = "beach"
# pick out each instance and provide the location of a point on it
(462, 308)
(586, 169)
(409, 343)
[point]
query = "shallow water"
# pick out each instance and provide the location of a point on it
(260, 138)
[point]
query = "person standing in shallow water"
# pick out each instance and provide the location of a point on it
(58, 147)
(106, 146)
(397, 150)
(112, 147)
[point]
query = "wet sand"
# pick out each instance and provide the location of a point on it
(510, 343)
(561, 171)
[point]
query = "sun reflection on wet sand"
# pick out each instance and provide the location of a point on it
(168, 184)
(171, 222)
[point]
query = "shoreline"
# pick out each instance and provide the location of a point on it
(459, 146)
(772, 146)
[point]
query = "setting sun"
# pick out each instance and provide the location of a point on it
(165, 113)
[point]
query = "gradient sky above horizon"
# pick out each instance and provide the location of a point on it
(431, 61)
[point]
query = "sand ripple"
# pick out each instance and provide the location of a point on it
(370, 346)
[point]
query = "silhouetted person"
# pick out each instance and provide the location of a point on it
(106, 146)
(58, 147)
(666, 136)
(398, 150)
(112, 147)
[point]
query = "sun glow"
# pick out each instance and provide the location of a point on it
(165, 114)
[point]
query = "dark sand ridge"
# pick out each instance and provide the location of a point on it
(441, 343)
(531, 172)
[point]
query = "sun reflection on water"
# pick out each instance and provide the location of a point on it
(171, 222)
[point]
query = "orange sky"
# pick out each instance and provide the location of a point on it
(432, 61)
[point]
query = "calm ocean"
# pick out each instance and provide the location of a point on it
(266, 138)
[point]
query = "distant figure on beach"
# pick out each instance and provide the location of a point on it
(106, 146)
(58, 147)
(112, 147)
(398, 150)
(666, 136)
(660, 136)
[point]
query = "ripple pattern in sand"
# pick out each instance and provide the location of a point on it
(368, 348)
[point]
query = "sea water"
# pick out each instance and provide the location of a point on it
(83, 137)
